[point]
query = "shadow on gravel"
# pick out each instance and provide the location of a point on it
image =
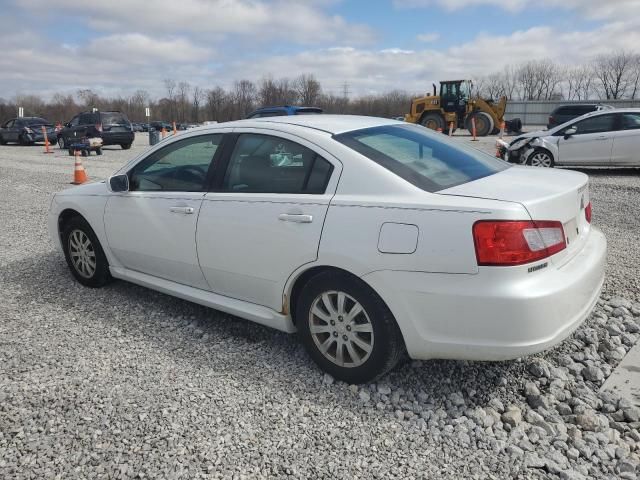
(259, 355)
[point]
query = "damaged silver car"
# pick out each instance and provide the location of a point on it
(606, 138)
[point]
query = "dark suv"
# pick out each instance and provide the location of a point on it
(113, 127)
(564, 113)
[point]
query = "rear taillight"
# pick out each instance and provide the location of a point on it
(509, 242)
(587, 212)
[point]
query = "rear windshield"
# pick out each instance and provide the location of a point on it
(422, 158)
(114, 118)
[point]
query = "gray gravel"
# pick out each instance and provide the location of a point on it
(124, 382)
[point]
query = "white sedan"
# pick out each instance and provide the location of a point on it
(604, 138)
(369, 237)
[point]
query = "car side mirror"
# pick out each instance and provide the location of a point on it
(119, 183)
(569, 132)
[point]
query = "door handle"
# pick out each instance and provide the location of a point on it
(183, 210)
(602, 137)
(295, 217)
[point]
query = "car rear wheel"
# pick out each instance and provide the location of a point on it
(2, 141)
(125, 146)
(540, 158)
(84, 254)
(347, 329)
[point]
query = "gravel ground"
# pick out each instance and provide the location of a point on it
(124, 382)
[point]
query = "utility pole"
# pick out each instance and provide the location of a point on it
(345, 90)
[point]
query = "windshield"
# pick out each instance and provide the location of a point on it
(422, 158)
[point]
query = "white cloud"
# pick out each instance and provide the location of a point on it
(594, 9)
(299, 22)
(428, 37)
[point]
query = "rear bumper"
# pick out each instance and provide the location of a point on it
(493, 315)
(117, 138)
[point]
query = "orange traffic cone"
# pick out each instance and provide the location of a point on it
(46, 140)
(79, 173)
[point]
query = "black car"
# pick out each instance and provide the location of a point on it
(160, 125)
(564, 113)
(113, 127)
(26, 131)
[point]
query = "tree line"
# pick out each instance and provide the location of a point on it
(614, 76)
(606, 77)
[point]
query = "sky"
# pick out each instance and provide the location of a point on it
(116, 47)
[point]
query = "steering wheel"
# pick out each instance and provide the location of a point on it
(190, 173)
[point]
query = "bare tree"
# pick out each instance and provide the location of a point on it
(308, 89)
(170, 86)
(244, 95)
(613, 73)
(579, 82)
(198, 97)
(182, 99)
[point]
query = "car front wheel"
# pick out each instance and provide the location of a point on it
(84, 254)
(125, 146)
(540, 158)
(347, 329)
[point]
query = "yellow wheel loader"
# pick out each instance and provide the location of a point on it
(455, 105)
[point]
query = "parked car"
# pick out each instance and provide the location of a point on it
(26, 131)
(113, 127)
(137, 127)
(283, 110)
(160, 125)
(443, 252)
(605, 138)
(564, 113)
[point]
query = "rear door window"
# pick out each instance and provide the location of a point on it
(266, 164)
(87, 119)
(630, 121)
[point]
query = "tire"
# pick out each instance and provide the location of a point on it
(62, 145)
(125, 146)
(85, 153)
(378, 331)
(71, 152)
(23, 141)
(484, 124)
(541, 157)
(95, 275)
(2, 141)
(98, 151)
(432, 120)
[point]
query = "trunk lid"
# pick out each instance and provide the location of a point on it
(547, 194)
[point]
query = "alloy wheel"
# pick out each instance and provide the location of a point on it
(540, 159)
(82, 253)
(341, 329)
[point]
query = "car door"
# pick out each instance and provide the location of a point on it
(266, 216)
(69, 129)
(591, 144)
(626, 140)
(10, 133)
(151, 228)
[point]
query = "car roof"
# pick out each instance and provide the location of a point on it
(329, 123)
